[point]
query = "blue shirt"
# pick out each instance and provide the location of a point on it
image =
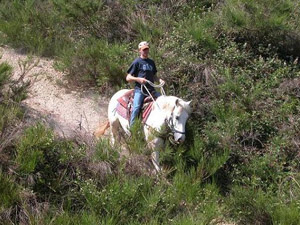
(144, 68)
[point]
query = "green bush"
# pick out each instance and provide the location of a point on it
(121, 199)
(9, 192)
(263, 22)
(251, 205)
(66, 218)
(105, 152)
(11, 112)
(286, 214)
(32, 25)
(5, 73)
(97, 61)
(48, 166)
(31, 147)
(132, 201)
(98, 19)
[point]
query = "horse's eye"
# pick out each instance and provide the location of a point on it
(177, 117)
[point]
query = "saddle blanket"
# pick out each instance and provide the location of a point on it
(125, 103)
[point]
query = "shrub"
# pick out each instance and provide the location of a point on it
(5, 74)
(31, 147)
(48, 166)
(98, 19)
(97, 61)
(67, 218)
(11, 111)
(105, 152)
(286, 214)
(21, 19)
(123, 206)
(250, 205)
(9, 192)
(263, 23)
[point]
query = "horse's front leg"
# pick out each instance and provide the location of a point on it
(155, 161)
(156, 144)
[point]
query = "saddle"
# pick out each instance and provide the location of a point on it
(125, 106)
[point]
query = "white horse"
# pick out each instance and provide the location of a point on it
(167, 111)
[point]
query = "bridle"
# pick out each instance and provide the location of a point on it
(171, 125)
(173, 130)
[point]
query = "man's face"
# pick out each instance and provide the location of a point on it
(144, 52)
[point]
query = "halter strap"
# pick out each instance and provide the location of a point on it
(171, 125)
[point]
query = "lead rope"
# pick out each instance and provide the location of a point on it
(158, 86)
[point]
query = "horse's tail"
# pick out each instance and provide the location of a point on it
(100, 131)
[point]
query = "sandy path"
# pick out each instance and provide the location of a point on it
(69, 112)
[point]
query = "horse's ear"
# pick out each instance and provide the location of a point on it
(189, 102)
(177, 102)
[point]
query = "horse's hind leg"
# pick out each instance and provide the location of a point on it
(114, 131)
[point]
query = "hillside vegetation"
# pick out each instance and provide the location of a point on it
(237, 60)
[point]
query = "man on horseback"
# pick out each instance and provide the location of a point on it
(141, 70)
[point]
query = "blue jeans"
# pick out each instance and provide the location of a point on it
(138, 100)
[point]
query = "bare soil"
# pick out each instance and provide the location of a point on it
(68, 110)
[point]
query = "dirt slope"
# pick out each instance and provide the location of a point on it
(67, 110)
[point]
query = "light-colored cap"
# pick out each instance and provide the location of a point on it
(143, 45)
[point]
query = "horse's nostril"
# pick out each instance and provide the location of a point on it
(181, 139)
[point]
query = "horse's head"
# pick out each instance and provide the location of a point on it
(177, 119)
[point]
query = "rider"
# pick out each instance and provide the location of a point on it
(141, 70)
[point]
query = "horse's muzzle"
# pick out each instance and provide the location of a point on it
(179, 138)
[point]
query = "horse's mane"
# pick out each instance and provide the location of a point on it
(169, 102)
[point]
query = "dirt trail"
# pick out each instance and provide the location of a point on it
(68, 111)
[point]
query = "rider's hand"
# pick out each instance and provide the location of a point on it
(141, 80)
(161, 81)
